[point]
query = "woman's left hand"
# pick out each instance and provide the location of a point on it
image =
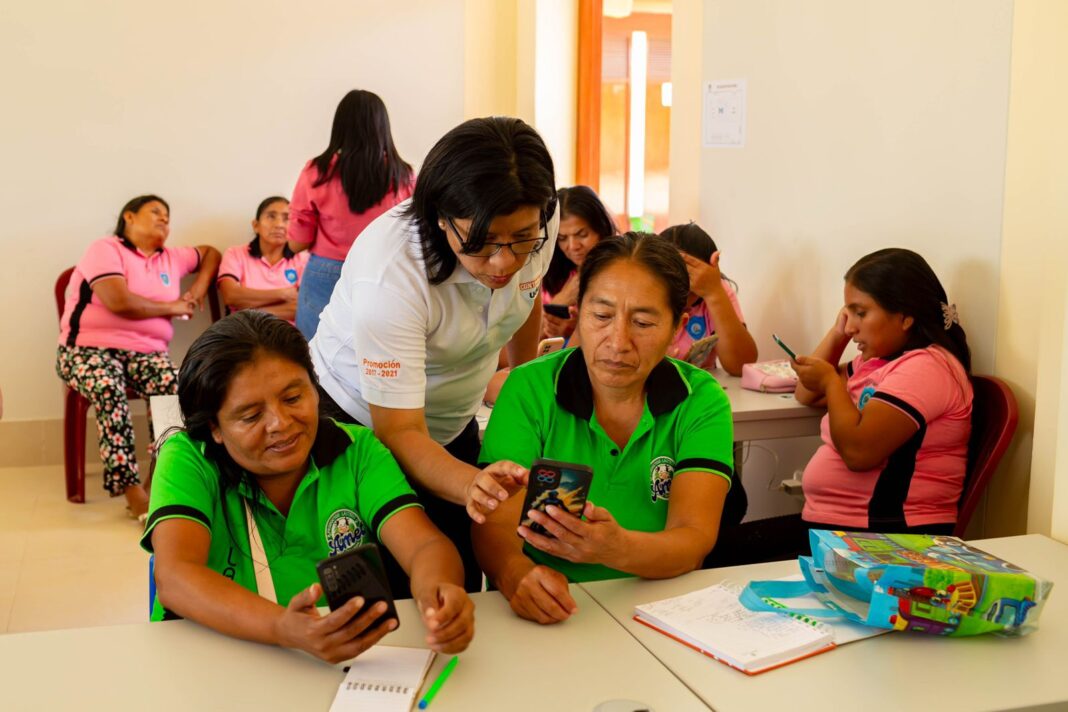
(449, 617)
(195, 297)
(814, 373)
(597, 540)
(705, 277)
(491, 486)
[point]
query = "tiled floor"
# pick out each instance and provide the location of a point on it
(66, 565)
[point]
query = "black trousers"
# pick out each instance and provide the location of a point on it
(451, 519)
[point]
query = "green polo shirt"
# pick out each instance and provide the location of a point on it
(352, 487)
(546, 410)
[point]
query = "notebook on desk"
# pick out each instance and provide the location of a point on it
(383, 679)
(713, 622)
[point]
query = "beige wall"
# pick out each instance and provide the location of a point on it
(490, 32)
(213, 107)
(1031, 321)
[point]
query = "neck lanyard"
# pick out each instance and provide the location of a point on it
(260, 565)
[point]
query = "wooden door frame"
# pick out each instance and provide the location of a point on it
(588, 109)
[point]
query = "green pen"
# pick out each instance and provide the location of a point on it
(442, 677)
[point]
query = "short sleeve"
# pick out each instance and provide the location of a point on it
(922, 385)
(514, 431)
(704, 437)
(102, 260)
(232, 265)
(303, 213)
(185, 485)
(187, 259)
(381, 488)
(389, 335)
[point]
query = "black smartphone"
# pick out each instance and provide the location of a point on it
(560, 311)
(784, 347)
(357, 572)
(564, 484)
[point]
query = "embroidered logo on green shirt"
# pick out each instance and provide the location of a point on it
(344, 530)
(661, 470)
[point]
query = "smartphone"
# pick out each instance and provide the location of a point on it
(784, 347)
(560, 311)
(700, 349)
(548, 346)
(564, 484)
(357, 572)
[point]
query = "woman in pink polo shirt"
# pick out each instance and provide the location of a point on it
(341, 191)
(895, 437)
(265, 273)
(116, 326)
(713, 308)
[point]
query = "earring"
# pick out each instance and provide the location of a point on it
(441, 224)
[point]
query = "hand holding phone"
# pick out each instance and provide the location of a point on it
(563, 484)
(784, 347)
(357, 572)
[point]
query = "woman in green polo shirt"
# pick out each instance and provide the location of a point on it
(656, 432)
(258, 489)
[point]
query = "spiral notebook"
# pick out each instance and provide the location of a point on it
(713, 622)
(383, 679)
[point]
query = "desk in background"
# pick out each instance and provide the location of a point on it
(178, 665)
(894, 672)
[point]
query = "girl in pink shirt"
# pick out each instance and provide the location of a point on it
(895, 437)
(584, 221)
(713, 305)
(264, 274)
(340, 192)
(116, 327)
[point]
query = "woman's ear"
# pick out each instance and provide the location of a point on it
(907, 322)
(216, 432)
(255, 226)
(682, 322)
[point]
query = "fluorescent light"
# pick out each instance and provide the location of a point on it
(665, 94)
(639, 69)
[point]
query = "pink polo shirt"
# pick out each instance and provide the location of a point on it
(320, 215)
(87, 322)
(238, 263)
(699, 325)
(922, 481)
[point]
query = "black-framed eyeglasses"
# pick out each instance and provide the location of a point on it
(519, 248)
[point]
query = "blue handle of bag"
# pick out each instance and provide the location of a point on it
(753, 598)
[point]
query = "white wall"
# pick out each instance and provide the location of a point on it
(212, 105)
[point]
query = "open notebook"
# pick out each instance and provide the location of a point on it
(712, 621)
(383, 679)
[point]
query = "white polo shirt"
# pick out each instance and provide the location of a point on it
(390, 338)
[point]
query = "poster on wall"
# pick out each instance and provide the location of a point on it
(724, 114)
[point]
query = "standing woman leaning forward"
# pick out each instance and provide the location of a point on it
(428, 296)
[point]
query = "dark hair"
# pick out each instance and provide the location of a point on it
(134, 205)
(254, 248)
(902, 282)
(210, 365)
(694, 241)
(579, 201)
(362, 142)
(659, 257)
(479, 170)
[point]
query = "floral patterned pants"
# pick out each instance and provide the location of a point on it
(102, 376)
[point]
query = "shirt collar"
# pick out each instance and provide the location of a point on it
(125, 241)
(665, 387)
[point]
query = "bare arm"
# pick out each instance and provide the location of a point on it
(405, 433)
(523, 345)
(736, 346)
(209, 268)
(117, 297)
(280, 302)
(298, 246)
(830, 349)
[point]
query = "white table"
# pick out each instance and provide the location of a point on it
(895, 672)
(757, 416)
(512, 664)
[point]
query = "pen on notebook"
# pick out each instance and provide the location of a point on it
(442, 677)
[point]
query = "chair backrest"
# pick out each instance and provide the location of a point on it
(61, 290)
(994, 418)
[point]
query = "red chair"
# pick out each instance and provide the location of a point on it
(994, 418)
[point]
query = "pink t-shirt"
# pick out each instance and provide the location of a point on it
(320, 215)
(699, 325)
(921, 481)
(87, 322)
(239, 264)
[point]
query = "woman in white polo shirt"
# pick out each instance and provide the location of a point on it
(428, 296)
